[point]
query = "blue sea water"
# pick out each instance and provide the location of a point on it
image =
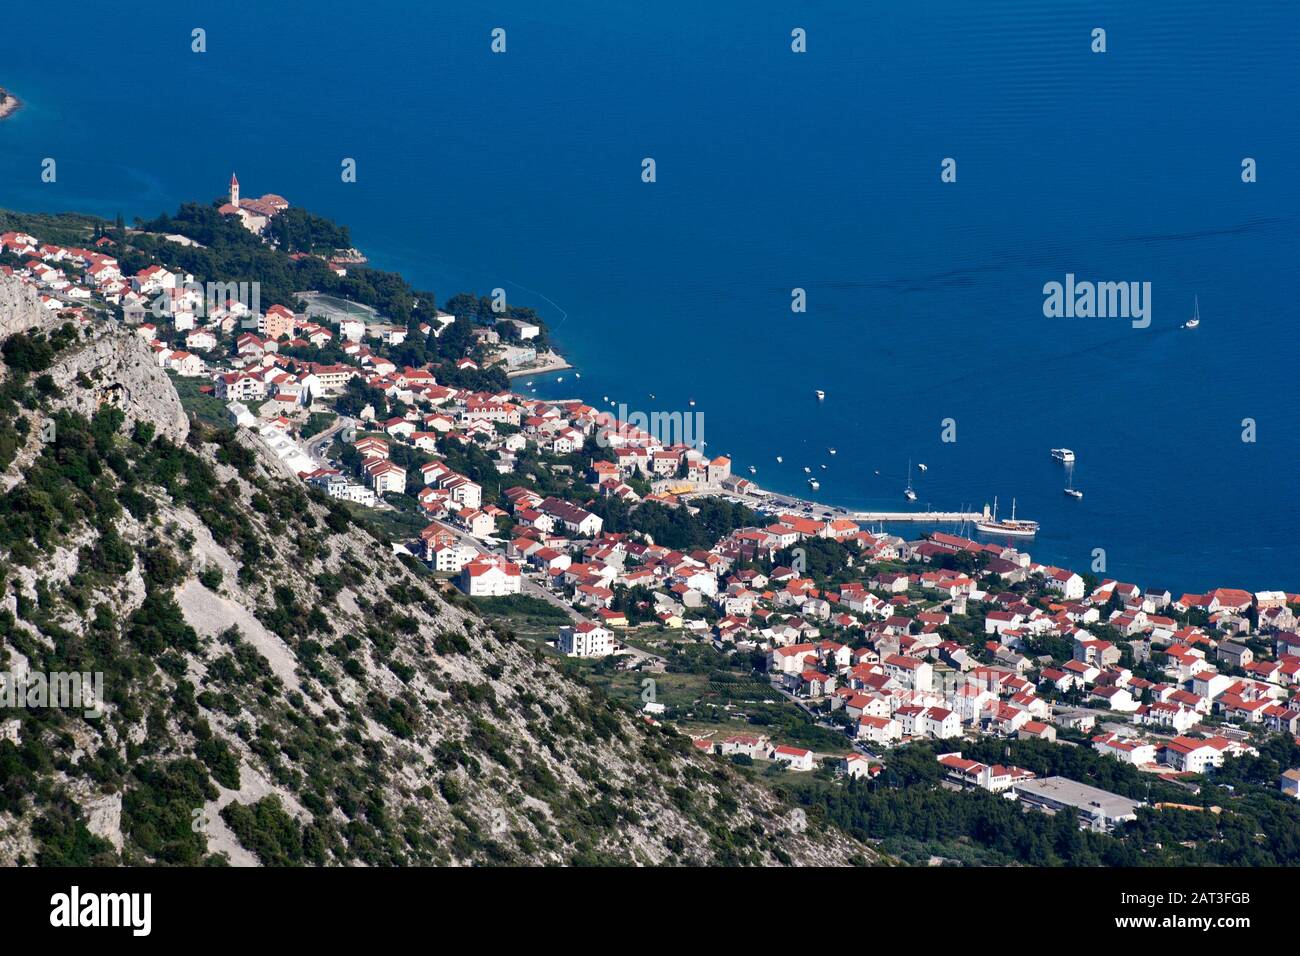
(778, 170)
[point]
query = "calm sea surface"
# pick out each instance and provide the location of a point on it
(775, 171)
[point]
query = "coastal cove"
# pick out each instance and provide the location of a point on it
(925, 300)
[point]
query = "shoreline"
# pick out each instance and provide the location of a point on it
(9, 104)
(556, 363)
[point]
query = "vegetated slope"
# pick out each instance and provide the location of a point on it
(280, 687)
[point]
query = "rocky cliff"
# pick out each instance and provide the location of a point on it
(281, 688)
(112, 366)
(20, 308)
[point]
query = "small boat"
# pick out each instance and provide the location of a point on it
(692, 403)
(779, 459)
(753, 470)
(1195, 320)
(1069, 484)
(1063, 455)
(820, 395)
(807, 470)
(560, 379)
(814, 484)
(831, 450)
(909, 494)
(923, 467)
(577, 375)
(604, 398)
(1022, 528)
(823, 466)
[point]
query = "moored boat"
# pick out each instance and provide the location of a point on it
(1021, 528)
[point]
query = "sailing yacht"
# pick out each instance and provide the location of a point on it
(1070, 490)
(1195, 320)
(909, 494)
(1023, 528)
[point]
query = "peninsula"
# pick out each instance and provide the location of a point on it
(319, 464)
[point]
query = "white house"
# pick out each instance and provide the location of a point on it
(586, 639)
(910, 672)
(385, 477)
(795, 757)
(1289, 783)
(1125, 749)
(491, 577)
(1194, 756)
(879, 730)
(354, 330)
(940, 723)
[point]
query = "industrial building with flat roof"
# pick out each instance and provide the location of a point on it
(1098, 809)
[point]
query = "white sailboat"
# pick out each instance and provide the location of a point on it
(1022, 527)
(1195, 320)
(1070, 490)
(909, 494)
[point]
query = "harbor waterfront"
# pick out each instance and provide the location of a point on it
(359, 509)
(924, 299)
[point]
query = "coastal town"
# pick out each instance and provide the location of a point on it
(877, 640)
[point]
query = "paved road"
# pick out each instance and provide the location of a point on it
(317, 444)
(531, 588)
